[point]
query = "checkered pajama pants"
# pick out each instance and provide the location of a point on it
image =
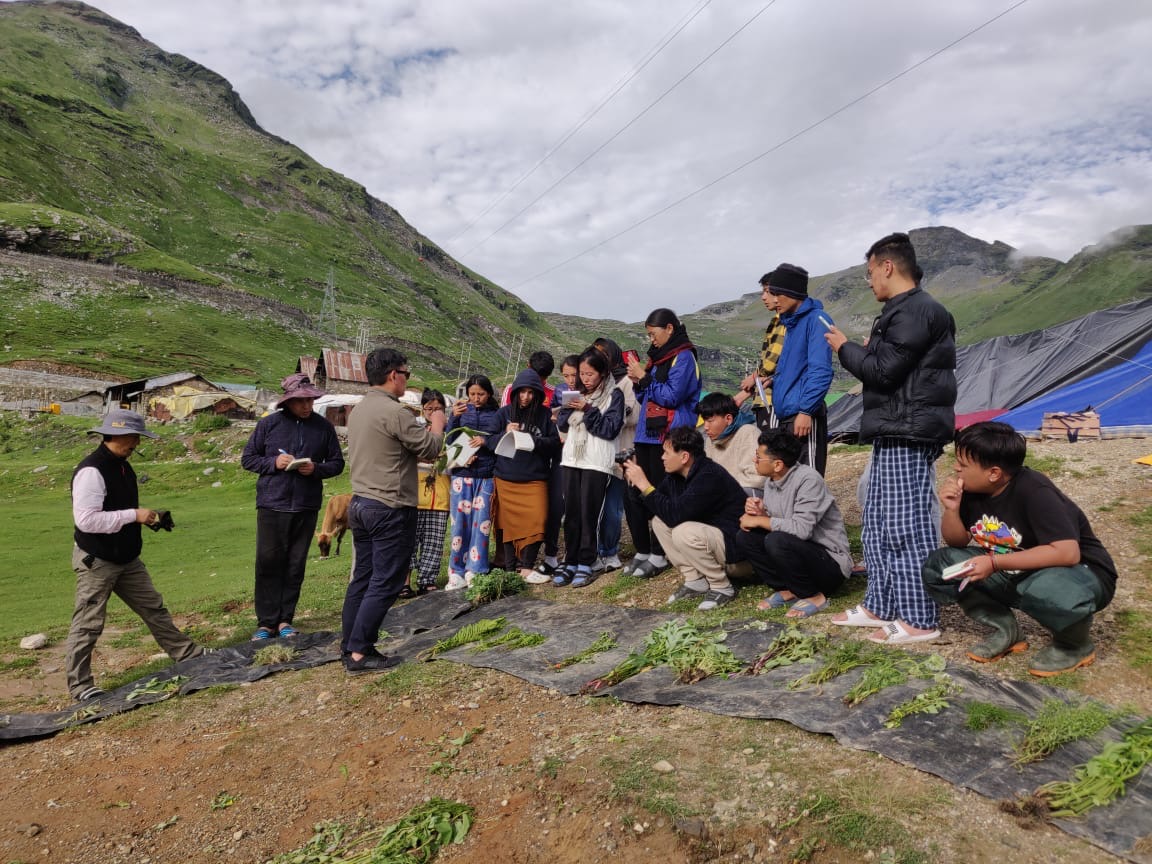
(431, 526)
(899, 531)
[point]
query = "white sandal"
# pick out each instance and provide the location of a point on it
(858, 616)
(896, 633)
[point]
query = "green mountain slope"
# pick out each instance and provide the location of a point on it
(114, 151)
(159, 157)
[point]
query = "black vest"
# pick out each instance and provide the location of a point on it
(121, 494)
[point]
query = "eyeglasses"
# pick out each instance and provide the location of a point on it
(407, 373)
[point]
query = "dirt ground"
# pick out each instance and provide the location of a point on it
(552, 778)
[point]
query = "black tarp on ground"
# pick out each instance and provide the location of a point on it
(1007, 371)
(938, 744)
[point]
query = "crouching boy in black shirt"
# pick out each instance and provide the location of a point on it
(1034, 551)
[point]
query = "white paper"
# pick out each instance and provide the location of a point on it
(513, 441)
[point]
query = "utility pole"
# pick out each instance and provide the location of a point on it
(465, 362)
(327, 322)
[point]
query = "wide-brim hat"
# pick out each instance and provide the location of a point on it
(121, 421)
(298, 386)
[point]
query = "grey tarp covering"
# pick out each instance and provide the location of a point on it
(938, 744)
(1007, 371)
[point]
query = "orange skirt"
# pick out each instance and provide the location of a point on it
(521, 511)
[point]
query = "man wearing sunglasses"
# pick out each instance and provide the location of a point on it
(385, 441)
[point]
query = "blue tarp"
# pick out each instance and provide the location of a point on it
(1122, 396)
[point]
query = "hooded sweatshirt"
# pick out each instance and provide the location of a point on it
(526, 466)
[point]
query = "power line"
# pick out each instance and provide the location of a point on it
(662, 43)
(770, 150)
(627, 125)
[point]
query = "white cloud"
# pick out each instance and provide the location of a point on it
(1033, 131)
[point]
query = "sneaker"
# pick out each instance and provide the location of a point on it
(455, 582)
(288, 631)
(369, 663)
(536, 577)
(468, 577)
(714, 600)
(262, 634)
(611, 562)
(685, 593)
(90, 694)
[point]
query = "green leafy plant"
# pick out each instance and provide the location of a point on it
(604, 642)
(985, 715)
(679, 644)
(1058, 723)
(930, 701)
(845, 657)
(509, 640)
(493, 585)
(224, 800)
(157, 687)
(467, 634)
(270, 655)
(792, 645)
(81, 714)
(416, 838)
(1103, 778)
(889, 668)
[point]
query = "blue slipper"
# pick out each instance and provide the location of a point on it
(288, 631)
(806, 609)
(776, 601)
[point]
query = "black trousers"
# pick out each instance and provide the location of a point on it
(556, 489)
(787, 563)
(383, 538)
(638, 515)
(282, 543)
(584, 505)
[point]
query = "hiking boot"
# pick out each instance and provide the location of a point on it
(1005, 638)
(1071, 648)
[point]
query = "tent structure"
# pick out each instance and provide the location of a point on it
(1110, 348)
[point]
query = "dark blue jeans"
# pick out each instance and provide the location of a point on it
(383, 537)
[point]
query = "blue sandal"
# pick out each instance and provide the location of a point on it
(583, 579)
(562, 577)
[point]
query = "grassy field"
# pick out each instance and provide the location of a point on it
(204, 565)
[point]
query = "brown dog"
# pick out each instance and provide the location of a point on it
(335, 524)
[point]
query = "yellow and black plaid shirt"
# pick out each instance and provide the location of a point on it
(769, 356)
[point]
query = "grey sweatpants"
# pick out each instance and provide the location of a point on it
(132, 584)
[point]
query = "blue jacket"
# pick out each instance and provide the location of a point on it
(482, 420)
(291, 491)
(680, 392)
(804, 370)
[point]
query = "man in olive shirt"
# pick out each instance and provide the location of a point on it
(385, 442)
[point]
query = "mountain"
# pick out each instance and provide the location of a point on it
(989, 288)
(165, 230)
(114, 150)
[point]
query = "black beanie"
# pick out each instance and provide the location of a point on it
(789, 280)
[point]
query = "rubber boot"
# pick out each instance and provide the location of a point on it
(1071, 648)
(1005, 639)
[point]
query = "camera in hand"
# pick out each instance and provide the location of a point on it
(163, 521)
(624, 455)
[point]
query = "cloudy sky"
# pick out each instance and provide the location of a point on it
(1035, 130)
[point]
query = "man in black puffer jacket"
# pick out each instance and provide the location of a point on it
(908, 371)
